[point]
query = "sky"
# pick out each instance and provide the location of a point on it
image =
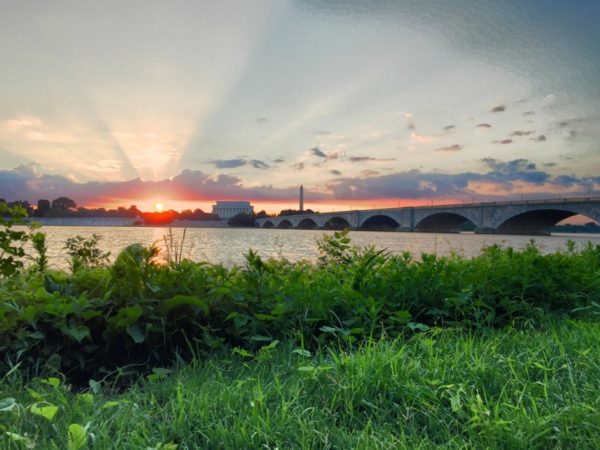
(367, 104)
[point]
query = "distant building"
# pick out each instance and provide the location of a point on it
(301, 198)
(226, 210)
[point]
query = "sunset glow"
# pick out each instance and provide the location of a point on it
(376, 107)
(159, 207)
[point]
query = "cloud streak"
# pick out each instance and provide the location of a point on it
(449, 148)
(498, 179)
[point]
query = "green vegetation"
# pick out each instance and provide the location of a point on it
(363, 349)
(448, 388)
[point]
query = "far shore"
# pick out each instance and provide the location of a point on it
(123, 222)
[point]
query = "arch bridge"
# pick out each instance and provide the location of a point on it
(532, 217)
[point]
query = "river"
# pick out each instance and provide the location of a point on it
(228, 245)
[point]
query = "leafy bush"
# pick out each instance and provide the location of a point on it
(85, 252)
(12, 242)
(140, 313)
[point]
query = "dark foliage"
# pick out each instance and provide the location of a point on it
(140, 313)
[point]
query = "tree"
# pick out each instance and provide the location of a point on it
(63, 203)
(294, 212)
(241, 220)
(43, 206)
(261, 214)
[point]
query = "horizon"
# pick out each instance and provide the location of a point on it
(390, 104)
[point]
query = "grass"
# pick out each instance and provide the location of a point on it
(451, 388)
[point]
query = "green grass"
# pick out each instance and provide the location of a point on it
(361, 350)
(495, 388)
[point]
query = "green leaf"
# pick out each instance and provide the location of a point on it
(85, 398)
(52, 381)
(265, 317)
(302, 352)
(19, 438)
(35, 395)
(77, 437)
(95, 386)
(48, 411)
(110, 404)
(271, 346)
(402, 316)
(260, 338)
(183, 300)
(126, 316)
(136, 334)
(79, 332)
(417, 326)
(242, 352)
(8, 404)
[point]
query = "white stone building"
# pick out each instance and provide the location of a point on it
(226, 209)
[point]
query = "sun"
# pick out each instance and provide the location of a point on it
(159, 207)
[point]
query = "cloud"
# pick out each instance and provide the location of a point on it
(25, 183)
(356, 159)
(260, 120)
(279, 160)
(299, 166)
(422, 139)
(228, 163)
(410, 123)
(522, 133)
(498, 108)
(540, 138)
(369, 173)
(257, 164)
(504, 141)
(239, 162)
(549, 101)
(499, 178)
(449, 148)
(483, 125)
(361, 158)
(335, 172)
(316, 151)
(529, 113)
(323, 133)
(449, 127)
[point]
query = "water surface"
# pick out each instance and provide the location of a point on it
(228, 245)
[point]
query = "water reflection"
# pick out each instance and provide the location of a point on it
(228, 246)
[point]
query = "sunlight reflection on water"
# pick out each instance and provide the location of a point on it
(228, 246)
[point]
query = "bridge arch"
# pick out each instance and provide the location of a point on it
(444, 222)
(268, 224)
(285, 223)
(379, 222)
(307, 224)
(336, 223)
(535, 221)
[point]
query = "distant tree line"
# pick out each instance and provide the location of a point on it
(294, 212)
(67, 207)
(246, 220)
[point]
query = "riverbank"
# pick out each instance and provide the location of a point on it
(122, 222)
(360, 349)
